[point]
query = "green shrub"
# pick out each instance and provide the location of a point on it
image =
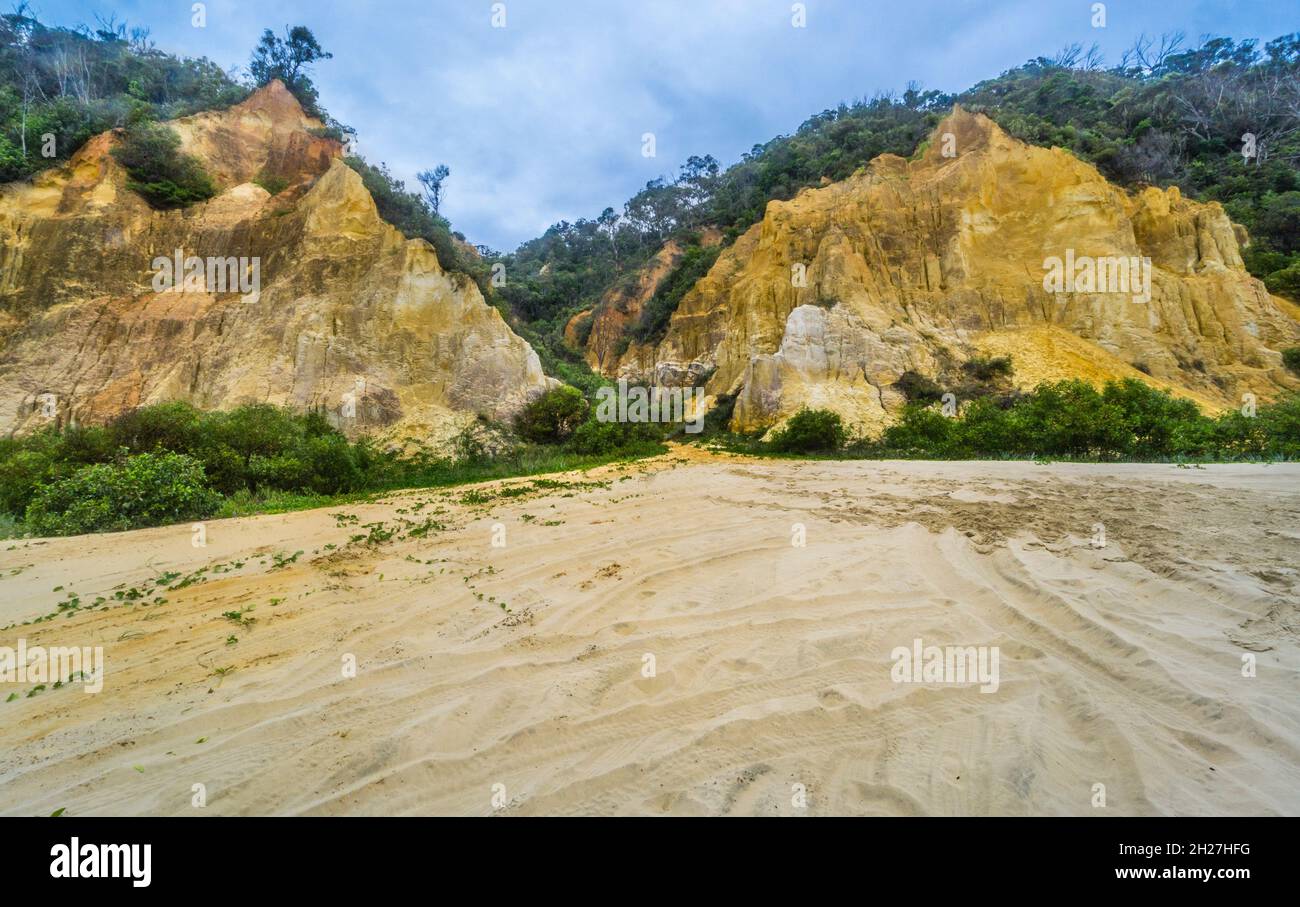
(982, 368)
(920, 431)
(718, 418)
(1070, 418)
(1149, 417)
(273, 185)
(159, 170)
(551, 417)
(1285, 281)
(1281, 424)
(175, 426)
(918, 389)
(596, 438)
(143, 490)
(22, 471)
(582, 330)
(810, 430)
(984, 429)
(333, 465)
(249, 447)
(1291, 358)
(45, 456)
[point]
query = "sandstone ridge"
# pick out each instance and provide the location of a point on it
(351, 316)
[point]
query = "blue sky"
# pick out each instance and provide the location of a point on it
(542, 120)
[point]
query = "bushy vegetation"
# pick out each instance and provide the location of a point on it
(1124, 420)
(563, 416)
(809, 431)
(917, 388)
(1291, 358)
(983, 368)
(71, 84)
(594, 437)
(552, 417)
(170, 462)
(162, 173)
(412, 214)
(143, 490)
(250, 448)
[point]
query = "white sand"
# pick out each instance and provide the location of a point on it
(1119, 665)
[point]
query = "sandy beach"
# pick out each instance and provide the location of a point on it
(653, 639)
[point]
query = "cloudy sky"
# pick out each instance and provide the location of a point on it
(542, 120)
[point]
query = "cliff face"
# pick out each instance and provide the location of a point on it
(351, 316)
(620, 308)
(919, 265)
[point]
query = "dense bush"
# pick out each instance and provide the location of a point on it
(166, 176)
(1291, 358)
(251, 447)
(261, 452)
(551, 417)
(596, 438)
(143, 490)
(917, 388)
(983, 368)
(809, 431)
(73, 83)
(1124, 420)
(920, 431)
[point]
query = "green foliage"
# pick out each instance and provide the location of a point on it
(982, 368)
(594, 437)
(273, 185)
(166, 176)
(917, 388)
(718, 418)
(694, 264)
(582, 330)
(410, 213)
(261, 458)
(1147, 418)
(810, 431)
(289, 60)
(553, 416)
(1291, 358)
(1125, 420)
(143, 490)
(75, 83)
(920, 431)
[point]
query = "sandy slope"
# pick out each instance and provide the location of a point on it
(1119, 665)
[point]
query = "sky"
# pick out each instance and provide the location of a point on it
(542, 118)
